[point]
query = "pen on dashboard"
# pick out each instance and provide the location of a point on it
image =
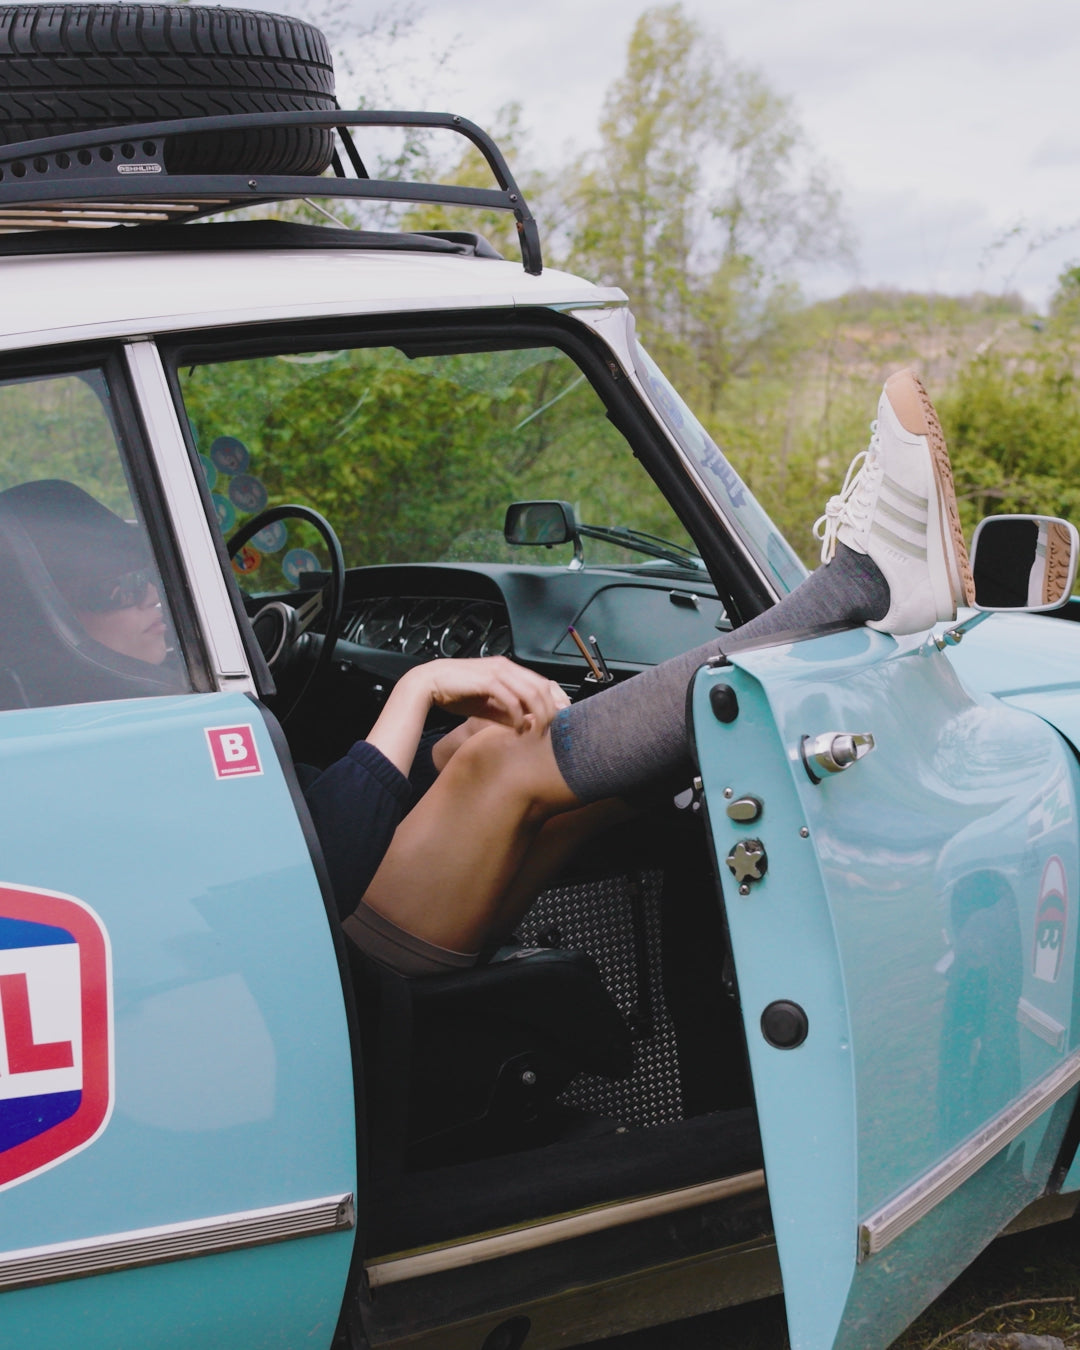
(605, 674)
(590, 660)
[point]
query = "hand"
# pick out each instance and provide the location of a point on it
(494, 689)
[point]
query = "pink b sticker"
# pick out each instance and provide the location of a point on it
(233, 751)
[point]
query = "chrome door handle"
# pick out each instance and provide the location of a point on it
(833, 752)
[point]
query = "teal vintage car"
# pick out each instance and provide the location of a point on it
(809, 1024)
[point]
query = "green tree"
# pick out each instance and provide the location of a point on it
(701, 199)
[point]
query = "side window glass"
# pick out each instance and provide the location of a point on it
(83, 614)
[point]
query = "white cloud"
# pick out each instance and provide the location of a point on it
(947, 121)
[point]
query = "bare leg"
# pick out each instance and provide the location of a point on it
(556, 843)
(456, 855)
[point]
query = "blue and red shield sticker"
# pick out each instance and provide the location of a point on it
(56, 1058)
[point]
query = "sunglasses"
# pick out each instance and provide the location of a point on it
(122, 592)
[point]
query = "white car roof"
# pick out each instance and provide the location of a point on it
(50, 299)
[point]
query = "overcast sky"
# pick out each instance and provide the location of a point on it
(946, 123)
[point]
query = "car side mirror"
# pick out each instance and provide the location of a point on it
(1024, 562)
(537, 523)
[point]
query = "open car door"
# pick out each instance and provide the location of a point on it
(909, 1033)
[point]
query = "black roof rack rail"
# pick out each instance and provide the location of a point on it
(117, 175)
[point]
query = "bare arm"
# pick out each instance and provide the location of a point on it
(492, 689)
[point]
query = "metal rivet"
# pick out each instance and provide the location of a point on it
(529, 1078)
(252, 183)
(744, 889)
(804, 833)
(729, 792)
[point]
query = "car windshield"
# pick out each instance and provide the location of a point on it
(739, 505)
(415, 455)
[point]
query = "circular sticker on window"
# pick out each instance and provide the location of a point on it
(226, 512)
(230, 455)
(247, 494)
(247, 560)
(298, 560)
(272, 539)
(209, 472)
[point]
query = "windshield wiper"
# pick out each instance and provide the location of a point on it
(650, 544)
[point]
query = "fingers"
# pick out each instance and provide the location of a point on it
(496, 689)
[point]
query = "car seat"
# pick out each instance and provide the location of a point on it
(472, 1062)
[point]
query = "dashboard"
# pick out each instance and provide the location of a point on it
(426, 626)
(398, 616)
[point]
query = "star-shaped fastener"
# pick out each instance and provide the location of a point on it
(748, 861)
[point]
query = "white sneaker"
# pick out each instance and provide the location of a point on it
(898, 506)
(1050, 570)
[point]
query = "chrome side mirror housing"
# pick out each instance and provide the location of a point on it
(1024, 563)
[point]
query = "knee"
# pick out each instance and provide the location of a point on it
(503, 761)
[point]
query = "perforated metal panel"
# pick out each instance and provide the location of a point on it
(616, 920)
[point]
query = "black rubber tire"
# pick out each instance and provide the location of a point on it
(82, 67)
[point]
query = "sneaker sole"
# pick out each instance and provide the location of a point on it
(921, 411)
(1058, 549)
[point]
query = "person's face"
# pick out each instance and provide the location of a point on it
(136, 630)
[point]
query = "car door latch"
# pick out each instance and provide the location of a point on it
(833, 752)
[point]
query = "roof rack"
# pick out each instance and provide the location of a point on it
(118, 175)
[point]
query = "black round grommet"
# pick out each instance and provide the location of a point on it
(724, 702)
(784, 1025)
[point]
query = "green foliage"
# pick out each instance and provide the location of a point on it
(701, 200)
(58, 427)
(417, 458)
(1013, 425)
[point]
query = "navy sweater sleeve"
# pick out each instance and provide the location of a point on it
(356, 805)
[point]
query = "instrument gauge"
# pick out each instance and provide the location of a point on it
(382, 625)
(497, 642)
(416, 640)
(465, 635)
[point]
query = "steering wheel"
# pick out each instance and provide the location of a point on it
(280, 627)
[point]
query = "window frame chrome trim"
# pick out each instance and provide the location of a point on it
(913, 1203)
(60, 1261)
(189, 524)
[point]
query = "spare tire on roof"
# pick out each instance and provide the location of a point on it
(81, 67)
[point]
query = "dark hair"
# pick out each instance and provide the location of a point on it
(82, 543)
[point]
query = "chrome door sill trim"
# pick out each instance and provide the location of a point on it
(396, 1268)
(887, 1223)
(175, 1241)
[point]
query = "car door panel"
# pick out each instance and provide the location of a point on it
(895, 911)
(232, 1123)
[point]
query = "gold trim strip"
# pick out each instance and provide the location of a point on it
(394, 1269)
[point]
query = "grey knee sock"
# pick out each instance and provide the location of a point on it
(634, 734)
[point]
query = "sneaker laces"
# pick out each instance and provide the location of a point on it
(851, 505)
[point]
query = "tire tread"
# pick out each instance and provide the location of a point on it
(81, 67)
